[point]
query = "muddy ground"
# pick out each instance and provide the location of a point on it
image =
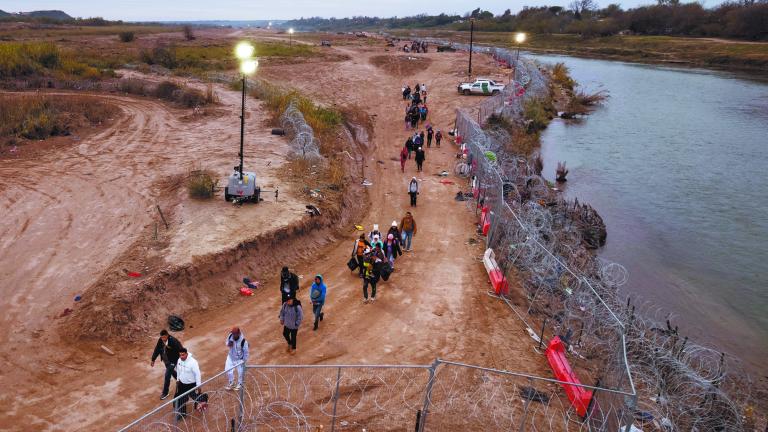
(75, 219)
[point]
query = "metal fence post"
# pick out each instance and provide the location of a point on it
(632, 407)
(525, 408)
(241, 397)
(335, 399)
(428, 395)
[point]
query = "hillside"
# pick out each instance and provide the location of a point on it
(4, 14)
(52, 14)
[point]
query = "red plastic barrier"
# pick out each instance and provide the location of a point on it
(485, 220)
(458, 139)
(578, 396)
(499, 282)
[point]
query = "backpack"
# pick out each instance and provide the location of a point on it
(360, 247)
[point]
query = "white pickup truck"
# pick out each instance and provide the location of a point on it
(481, 86)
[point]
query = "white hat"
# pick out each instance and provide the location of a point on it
(375, 227)
(394, 223)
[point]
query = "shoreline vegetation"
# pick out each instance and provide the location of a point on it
(710, 53)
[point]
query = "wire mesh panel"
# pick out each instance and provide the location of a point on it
(305, 398)
(465, 397)
(223, 407)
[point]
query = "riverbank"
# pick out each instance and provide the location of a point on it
(721, 54)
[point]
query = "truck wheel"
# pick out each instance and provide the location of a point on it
(227, 196)
(467, 92)
(495, 92)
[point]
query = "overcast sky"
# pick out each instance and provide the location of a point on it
(166, 10)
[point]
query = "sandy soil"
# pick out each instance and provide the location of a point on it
(54, 244)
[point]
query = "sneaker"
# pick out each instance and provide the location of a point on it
(293, 352)
(228, 386)
(322, 314)
(365, 301)
(288, 350)
(236, 387)
(314, 327)
(373, 299)
(163, 396)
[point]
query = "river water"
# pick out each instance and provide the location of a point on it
(676, 162)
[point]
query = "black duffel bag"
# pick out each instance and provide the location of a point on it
(352, 264)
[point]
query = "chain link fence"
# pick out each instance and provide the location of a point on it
(443, 396)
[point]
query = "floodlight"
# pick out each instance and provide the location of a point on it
(248, 67)
(520, 37)
(244, 50)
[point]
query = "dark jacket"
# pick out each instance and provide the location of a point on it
(169, 354)
(289, 284)
(409, 144)
(393, 249)
(420, 155)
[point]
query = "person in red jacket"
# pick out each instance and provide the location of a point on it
(403, 158)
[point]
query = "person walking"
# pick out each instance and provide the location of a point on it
(408, 230)
(371, 277)
(167, 348)
(237, 357)
(418, 141)
(423, 112)
(317, 296)
(421, 139)
(291, 315)
(188, 373)
(392, 249)
(358, 252)
(403, 158)
(289, 284)
(438, 138)
(430, 134)
(420, 157)
(394, 230)
(413, 190)
(409, 146)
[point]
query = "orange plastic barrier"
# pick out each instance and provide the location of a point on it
(499, 282)
(578, 396)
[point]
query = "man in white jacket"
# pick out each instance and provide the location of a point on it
(187, 378)
(238, 353)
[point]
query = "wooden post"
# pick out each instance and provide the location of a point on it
(162, 216)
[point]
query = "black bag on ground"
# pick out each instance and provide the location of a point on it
(352, 264)
(386, 270)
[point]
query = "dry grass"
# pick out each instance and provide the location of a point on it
(201, 184)
(41, 116)
(561, 76)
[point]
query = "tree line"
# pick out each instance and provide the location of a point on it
(743, 19)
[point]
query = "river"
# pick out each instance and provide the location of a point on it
(676, 162)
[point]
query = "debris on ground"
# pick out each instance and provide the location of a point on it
(367, 182)
(245, 291)
(312, 210)
(447, 182)
(107, 350)
(443, 173)
(132, 274)
(250, 284)
(534, 395)
(66, 312)
(175, 323)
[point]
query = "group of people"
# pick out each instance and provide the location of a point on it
(375, 254)
(183, 367)
(416, 47)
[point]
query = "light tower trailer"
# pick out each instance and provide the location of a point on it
(242, 188)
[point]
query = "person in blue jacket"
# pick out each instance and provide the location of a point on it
(317, 295)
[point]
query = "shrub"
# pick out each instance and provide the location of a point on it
(166, 89)
(538, 113)
(127, 36)
(188, 35)
(201, 184)
(561, 76)
(132, 86)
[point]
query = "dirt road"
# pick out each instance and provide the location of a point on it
(435, 304)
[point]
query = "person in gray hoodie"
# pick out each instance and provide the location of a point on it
(237, 357)
(291, 315)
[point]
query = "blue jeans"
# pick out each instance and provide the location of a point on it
(407, 237)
